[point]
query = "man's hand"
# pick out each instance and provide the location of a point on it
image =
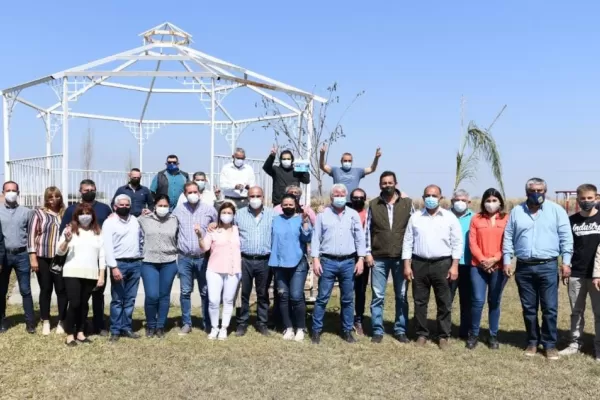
(34, 265)
(369, 261)
(100, 279)
(378, 152)
(595, 281)
(217, 191)
(359, 267)
(116, 274)
(146, 211)
(317, 267)
(453, 273)
(408, 273)
(211, 227)
(305, 216)
(324, 148)
(198, 231)
(273, 150)
(565, 273)
(508, 270)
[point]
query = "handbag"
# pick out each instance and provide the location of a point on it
(57, 264)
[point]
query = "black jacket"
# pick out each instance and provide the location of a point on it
(283, 178)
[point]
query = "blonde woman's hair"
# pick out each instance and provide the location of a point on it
(54, 191)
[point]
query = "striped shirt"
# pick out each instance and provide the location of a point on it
(255, 231)
(160, 238)
(338, 234)
(44, 229)
(203, 215)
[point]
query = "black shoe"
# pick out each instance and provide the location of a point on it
(493, 343)
(316, 338)
(130, 335)
(30, 328)
(114, 338)
(401, 337)
(3, 327)
(102, 332)
(84, 341)
(376, 338)
(472, 342)
(263, 330)
(241, 331)
(150, 332)
(160, 333)
(72, 343)
(348, 337)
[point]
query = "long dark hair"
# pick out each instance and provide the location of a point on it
(486, 195)
(225, 205)
(84, 208)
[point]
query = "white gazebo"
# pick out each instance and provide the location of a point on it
(199, 74)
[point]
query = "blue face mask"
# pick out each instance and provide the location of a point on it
(339, 202)
(535, 199)
(172, 168)
(431, 202)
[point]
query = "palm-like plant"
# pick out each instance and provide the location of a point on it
(478, 144)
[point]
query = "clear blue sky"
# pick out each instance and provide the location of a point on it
(413, 59)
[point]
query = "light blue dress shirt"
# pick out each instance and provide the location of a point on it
(255, 232)
(545, 235)
(465, 225)
(289, 241)
(338, 234)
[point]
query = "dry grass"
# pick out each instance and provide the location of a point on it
(254, 367)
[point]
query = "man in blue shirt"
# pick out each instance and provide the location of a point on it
(170, 181)
(460, 208)
(338, 251)
(142, 201)
(346, 174)
(537, 233)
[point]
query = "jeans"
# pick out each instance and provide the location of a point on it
(463, 285)
(123, 295)
(48, 281)
(189, 269)
(158, 281)
(98, 306)
(379, 277)
(493, 284)
(579, 288)
(344, 272)
(20, 263)
(538, 285)
(290, 288)
(257, 270)
(78, 292)
(361, 283)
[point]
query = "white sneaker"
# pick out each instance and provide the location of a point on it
(46, 328)
(288, 334)
(299, 335)
(569, 351)
(222, 334)
(60, 330)
(214, 332)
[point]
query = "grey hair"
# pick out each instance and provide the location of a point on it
(239, 150)
(461, 193)
(122, 197)
(292, 187)
(339, 186)
(536, 181)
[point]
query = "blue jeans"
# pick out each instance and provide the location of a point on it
(538, 285)
(290, 289)
(20, 263)
(123, 295)
(189, 269)
(344, 272)
(379, 276)
(493, 284)
(158, 281)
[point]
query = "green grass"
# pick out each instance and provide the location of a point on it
(254, 367)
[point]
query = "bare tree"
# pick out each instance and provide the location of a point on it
(87, 151)
(293, 137)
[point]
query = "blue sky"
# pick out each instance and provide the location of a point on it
(413, 59)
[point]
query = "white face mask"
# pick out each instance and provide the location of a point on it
(201, 184)
(256, 203)
(162, 211)
(238, 162)
(346, 165)
(11, 197)
(492, 207)
(85, 219)
(286, 163)
(193, 198)
(226, 218)
(460, 206)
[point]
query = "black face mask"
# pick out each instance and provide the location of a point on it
(123, 211)
(88, 197)
(388, 190)
(288, 212)
(358, 204)
(134, 181)
(587, 205)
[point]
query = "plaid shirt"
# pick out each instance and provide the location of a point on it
(255, 233)
(203, 215)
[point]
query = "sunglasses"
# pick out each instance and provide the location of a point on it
(358, 198)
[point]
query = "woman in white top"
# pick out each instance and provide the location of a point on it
(83, 270)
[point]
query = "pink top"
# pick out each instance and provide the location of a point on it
(311, 214)
(225, 255)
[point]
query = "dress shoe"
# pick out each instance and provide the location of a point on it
(377, 339)
(348, 337)
(130, 335)
(160, 333)
(493, 343)
(443, 344)
(401, 337)
(263, 330)
(315, 338)
(241, 331)
(472, 342)
(84, 341)
(358, 328)
(421, 341)
(30, 327)
(150, 332)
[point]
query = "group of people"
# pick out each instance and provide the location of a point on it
(234, 240)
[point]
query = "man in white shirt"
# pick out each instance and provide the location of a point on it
(432, 248)
(122, 248)
(236, 178)
(207, 196)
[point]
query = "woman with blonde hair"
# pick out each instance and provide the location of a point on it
(42, 244)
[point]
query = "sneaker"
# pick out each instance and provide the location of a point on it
(358, 328)
(421, 341)
(222, 334)
(377, 339)
(569, 351)
(316, 338)
(530, 351)
(288, 334)
(552, 354)
(472, 342)
(347, 336)
(401, 337)
(60, 330)
(30, 327)
(299, 335)
(493, 343)
(214, 332)
(46, 328)
(186, 329)
(149, 332)
(160, 333)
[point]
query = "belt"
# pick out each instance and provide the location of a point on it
(536, 261)
(16, 250)
(190, 255)
(339, 258)
(435, 259)
(256, 256)
(129, 259)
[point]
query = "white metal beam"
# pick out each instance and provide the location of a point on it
(26, 85)
(134, 74)
(148, 96)
(164, 57)
(30, 104)
(6, 131)
(108, 59)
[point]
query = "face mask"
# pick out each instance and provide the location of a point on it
(431, 202)
(162, 211)
(172, 168)
(339, 202)
(535, 199)
(587, 205)
(134, 181)
(201, 184)
(226, 218)
(288, 211)
(88, 197)
(492, 207)
(286, 163)
(11, 197)
(256, 203)
(358, 204)
(238, 162)
(346, 165)
(123, 211)
(460, 206)
(85, 219)
(192, 198)
(388, 190)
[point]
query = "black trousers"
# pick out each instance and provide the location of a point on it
(98, 306)
(79, 292)
(432, 274)
(256, 271)
(463, 285)
(49, 281)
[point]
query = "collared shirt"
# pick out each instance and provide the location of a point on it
(15, 222)
(305, 208)
(188, 216)
(231, 176)
(465, 224)
(289, 241)
(545, 235)
(141, 198)
(390, 212)
(102, 211)
(160, 238)
(122, 239)
(433, 236)
(207, 197)
(43, 229)
(485, 238)
(255, 231)
(338, 234)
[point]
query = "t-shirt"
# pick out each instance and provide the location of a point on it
(586, 238)
(351, 178)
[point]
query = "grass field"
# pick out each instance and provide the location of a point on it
(254, 367)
